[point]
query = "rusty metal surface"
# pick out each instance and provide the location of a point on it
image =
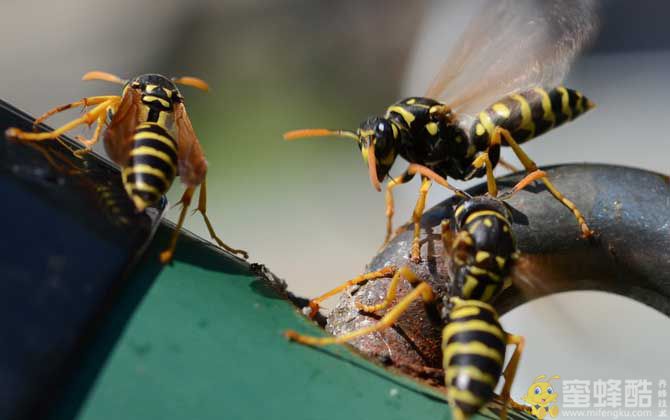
(629, 209)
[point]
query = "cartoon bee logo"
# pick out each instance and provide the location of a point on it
(542, 397)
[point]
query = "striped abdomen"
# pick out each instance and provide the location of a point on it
(483, 253)
(528, 114)
(152, 164)
(114, 204)
(473, 348)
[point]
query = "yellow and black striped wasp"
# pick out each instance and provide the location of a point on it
(149, 135)
(501, 83)
(482, 255)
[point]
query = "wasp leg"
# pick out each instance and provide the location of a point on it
(88, 144)
(85, 102)
(374, 275)
(430, 175)
(486, 159)
(530, 166)
(529, 179)
(402, 179)
(88, 118)
(458, 414)
(510, 373)
(423, 291)
(416, 218)
(391, 291)
(523, 183)
(166, 256)
(491, 185)
(202, 208)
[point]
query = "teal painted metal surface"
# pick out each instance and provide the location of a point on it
(205, 342)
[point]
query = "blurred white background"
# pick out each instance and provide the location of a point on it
(306, 209)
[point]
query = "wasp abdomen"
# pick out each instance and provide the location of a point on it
(528, 114)
(152, 164)
(483, 250)
(473, 347)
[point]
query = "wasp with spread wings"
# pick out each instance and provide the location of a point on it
(502, 85)
(149, 134)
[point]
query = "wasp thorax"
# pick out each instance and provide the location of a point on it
(480, 203)
(157, 87)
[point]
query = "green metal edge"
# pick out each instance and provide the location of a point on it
(205, 342)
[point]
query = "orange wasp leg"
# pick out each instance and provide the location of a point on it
(166, 256)
(491, 185)
(391, 292)
(402, 179)
(427, 175)
(416, 218)
(202, 208)
(423, 291)
(510, 373)
(314, 304)
(88, 144)
(88, 118)
(530, 166)
(85, 102)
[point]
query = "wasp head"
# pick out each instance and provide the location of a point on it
(151, 84)
(480, 203)
(377, 141)
(156, 88)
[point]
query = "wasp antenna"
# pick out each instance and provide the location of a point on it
(101, 75)
(446, 234)
(192, 82)
(319, 132)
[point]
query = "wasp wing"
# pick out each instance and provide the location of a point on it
(119, 133)
(192, 163)
(513, 45)
(538, 275)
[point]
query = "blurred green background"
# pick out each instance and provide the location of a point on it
(306, 209)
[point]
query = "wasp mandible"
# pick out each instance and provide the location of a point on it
(502, 81)
(148, 133)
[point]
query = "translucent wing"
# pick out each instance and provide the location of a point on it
(513, 45)
(538, 275)
(119, 133)
(192, 163)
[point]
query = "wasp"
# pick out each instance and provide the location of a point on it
(482, 252)
(502, 81)
(148, 133)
